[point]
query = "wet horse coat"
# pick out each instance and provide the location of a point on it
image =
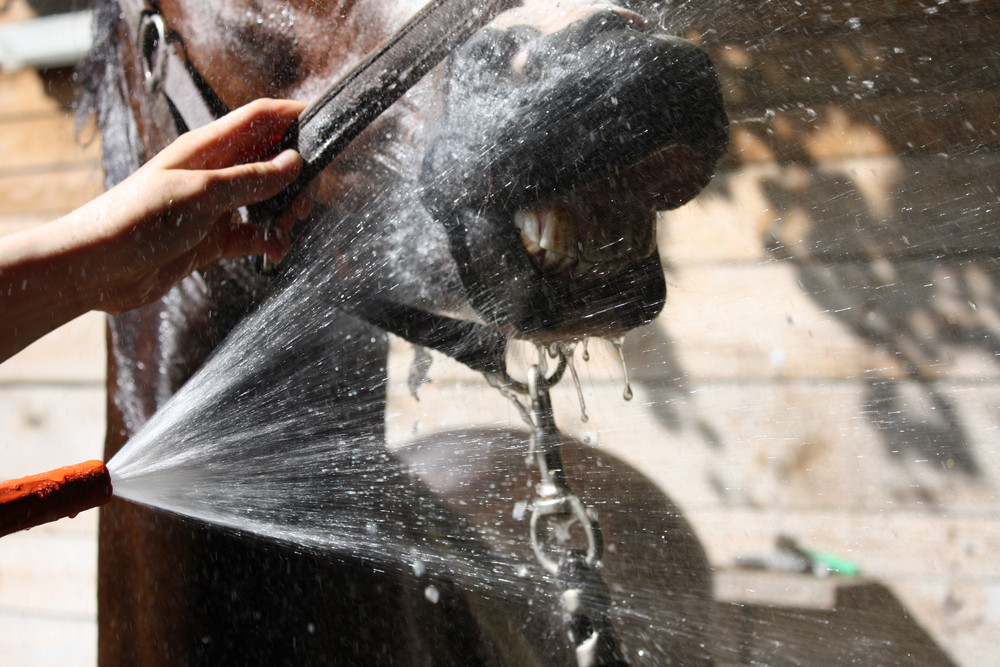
(173, 592)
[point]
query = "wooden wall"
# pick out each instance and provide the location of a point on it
(827, 364)
(51, 395)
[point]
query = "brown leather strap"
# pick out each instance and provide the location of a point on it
(339, 115)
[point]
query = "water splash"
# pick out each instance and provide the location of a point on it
(419, 371)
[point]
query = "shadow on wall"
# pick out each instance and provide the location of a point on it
(917, 303)
(880, 123)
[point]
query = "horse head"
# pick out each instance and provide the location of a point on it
(528, 171)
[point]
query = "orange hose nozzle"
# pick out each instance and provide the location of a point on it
(63, 492)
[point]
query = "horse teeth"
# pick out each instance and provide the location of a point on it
(549, 235)
(527, 223)
(558, 233)
(548, 223)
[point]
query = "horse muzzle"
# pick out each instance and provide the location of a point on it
(553, 156)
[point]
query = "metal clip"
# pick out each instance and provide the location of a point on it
(570, 509)
(555, 498)
(153, 47)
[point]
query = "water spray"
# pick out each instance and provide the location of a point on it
(323, 131)
(64, 492)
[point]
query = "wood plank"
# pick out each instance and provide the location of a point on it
(16, 10)
(52, 573)
(27, 91)
(48, 574)
(74, 353)
(919, 125)
(794, 445)
(53, 193)
(901, 547)
(46, 427)
(44, 641)
(756, 18)
(773, 322)
(900, 209)
(925, 85)
(882, 60)
(39, 142)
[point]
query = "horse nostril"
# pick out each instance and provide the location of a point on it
(493, 50)
(584, 30)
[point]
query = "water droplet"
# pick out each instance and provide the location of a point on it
(568, 350)
(543, 361)
(419, 370)
(619, 344)
(432, 594)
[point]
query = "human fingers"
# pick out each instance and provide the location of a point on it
(241, 185)
(231, 237)
(248, 134)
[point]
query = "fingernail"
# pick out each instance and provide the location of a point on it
(286, 159)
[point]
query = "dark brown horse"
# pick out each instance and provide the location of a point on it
(517, 132)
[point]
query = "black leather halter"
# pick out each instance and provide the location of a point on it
(326, 128)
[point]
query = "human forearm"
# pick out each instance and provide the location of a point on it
(40, 287)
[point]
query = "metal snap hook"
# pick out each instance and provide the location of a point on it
(569, 508)
(503, 378)
(153, 48)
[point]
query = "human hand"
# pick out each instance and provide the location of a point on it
(178, 212)
(175, 214)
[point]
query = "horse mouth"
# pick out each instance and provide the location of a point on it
(569, 238)
(599, 230)
(551, 216)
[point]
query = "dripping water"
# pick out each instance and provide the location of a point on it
(569, 349)
(619, 344)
